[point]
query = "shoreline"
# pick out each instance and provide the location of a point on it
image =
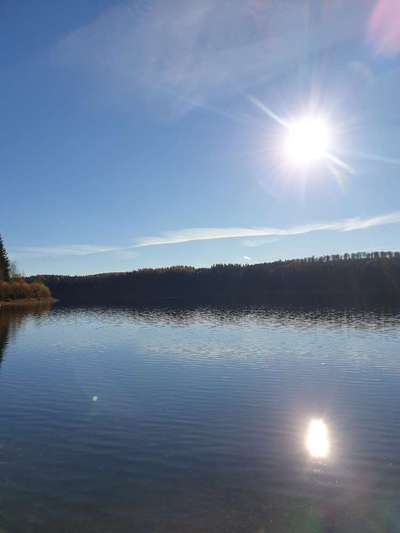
(23, 302)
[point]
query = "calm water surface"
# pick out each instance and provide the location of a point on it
(199, 421)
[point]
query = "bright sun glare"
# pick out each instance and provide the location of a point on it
(317, 440)
(308, 140)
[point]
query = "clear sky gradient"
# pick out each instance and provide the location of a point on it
(138, 133)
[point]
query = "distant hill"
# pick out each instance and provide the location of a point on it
(362, 278)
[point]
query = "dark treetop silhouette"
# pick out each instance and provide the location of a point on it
(4, 263)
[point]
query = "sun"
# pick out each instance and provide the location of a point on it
(308, 141)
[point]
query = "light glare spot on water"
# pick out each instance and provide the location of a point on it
(317, 440)
(95, 398)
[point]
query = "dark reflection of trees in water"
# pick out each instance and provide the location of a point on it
(362, 317)
(4, 333)
(13, 318)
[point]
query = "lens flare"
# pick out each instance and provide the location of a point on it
(317, 440)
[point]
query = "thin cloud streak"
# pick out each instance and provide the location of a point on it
(62, 250)
(206, 234)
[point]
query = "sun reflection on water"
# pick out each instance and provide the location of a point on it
(317, 439)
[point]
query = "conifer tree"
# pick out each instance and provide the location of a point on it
(4, 263)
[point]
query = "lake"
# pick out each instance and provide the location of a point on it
(199, 420)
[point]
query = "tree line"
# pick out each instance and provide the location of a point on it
(362, 277)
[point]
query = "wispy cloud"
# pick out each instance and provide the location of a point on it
(206, 234)
(264, 234)
(193, 51)
(62, 250)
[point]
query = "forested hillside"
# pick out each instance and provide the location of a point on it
(356, 278)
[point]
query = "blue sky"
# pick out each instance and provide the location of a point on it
(135, 133)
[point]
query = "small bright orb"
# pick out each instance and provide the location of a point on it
(308, 141)
(317, 440)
